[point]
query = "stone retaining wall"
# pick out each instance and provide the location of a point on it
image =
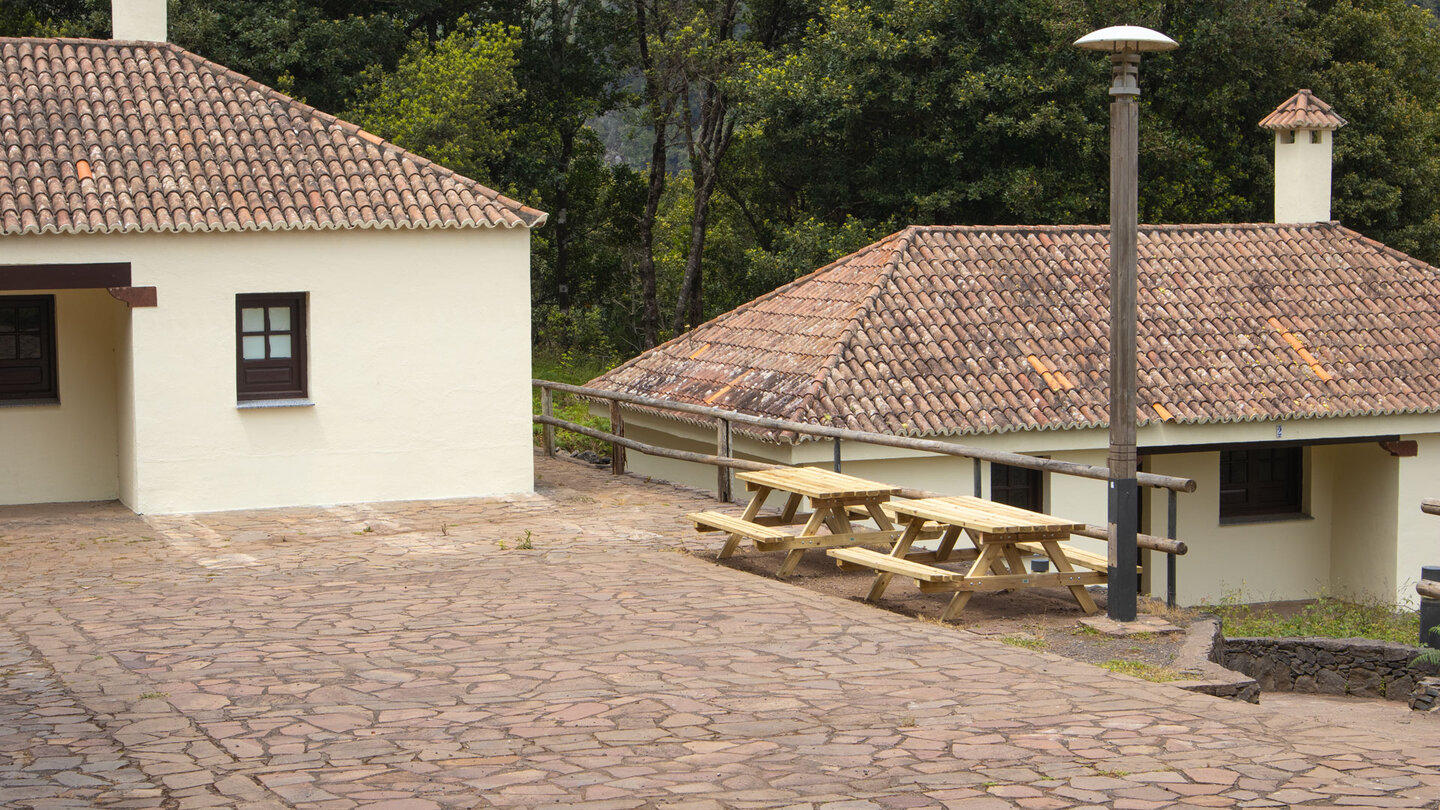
(1199, 660)
(1328, 666)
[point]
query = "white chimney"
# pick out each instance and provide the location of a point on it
(142, 20)
(1304, 128)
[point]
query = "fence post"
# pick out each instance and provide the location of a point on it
(1429, 609)
(1170, 558)
(547, 408)
(722, 449)
(617, 451)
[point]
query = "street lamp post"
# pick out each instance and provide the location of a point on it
(1124, 43)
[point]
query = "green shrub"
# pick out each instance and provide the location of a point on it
(1326, 617)
(567, 367)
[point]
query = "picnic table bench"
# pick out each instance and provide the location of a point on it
(999, 533)
(832, 496)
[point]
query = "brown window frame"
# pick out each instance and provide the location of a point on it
(296, 386)
(1017, 486)
(47, 389)
(1273, 487)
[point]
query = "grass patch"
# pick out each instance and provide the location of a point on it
(1025, 641)
(1141, 670)
(575, 370)
(1326, 617)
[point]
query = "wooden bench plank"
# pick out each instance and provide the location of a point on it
(1078, 556)
(1004, 582)
(880, 561)
(880, 538)
(720, 522)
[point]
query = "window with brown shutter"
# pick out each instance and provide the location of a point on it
(1259, 483)
(1017, 486)
(270, 346)
(27, 349)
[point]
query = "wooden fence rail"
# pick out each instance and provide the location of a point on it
(883, 439)
(1148, 541)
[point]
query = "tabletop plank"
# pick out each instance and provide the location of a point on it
(818, 482)
(983, 516)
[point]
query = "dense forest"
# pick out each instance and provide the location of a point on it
(695, 153)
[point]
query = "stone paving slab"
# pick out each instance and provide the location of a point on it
(396, 656)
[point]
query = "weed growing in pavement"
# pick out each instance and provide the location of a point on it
(1026, 641)
(153, 695)
(1141, 670)
(522, 543)
(908, 721)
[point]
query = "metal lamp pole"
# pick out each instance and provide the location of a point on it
(1124, 43)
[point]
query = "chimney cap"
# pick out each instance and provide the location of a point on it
(1126, 38)
(1304, 110)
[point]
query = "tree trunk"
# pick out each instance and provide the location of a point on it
(649, 296)
(562, 227)
(717, 124)
(660, 108)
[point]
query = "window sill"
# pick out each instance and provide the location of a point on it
(21, 403)
(1241, 520)
(251, 404)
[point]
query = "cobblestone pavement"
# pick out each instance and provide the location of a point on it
(396, 656)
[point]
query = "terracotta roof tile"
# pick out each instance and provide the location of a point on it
(1237, 323)
(1303, 111)
(99, 136)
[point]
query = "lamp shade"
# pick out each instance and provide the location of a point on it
(1126, 39)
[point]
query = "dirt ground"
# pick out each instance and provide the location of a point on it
(1040, 618)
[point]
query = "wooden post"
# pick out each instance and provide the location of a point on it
(722, 449)
(977, 479)
(547, 408)
(1172, 526)
(617, 451)
(1124, 174)
(836, 463)
(1429, 606)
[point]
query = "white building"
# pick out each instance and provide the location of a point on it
(215, 297)
(1292, 370)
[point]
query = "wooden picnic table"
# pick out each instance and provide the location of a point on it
(832, 496)
(1000, 534)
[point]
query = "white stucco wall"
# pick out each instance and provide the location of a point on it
(68, 452)
(1302, 177)
(1417, 535)
(419, 366)
(1365, 492)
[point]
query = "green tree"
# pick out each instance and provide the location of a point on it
(446, 100)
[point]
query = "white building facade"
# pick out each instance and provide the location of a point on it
(245, 302)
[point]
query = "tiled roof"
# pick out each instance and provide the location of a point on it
(1303, 111)
(953, 330)
(99, 136)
